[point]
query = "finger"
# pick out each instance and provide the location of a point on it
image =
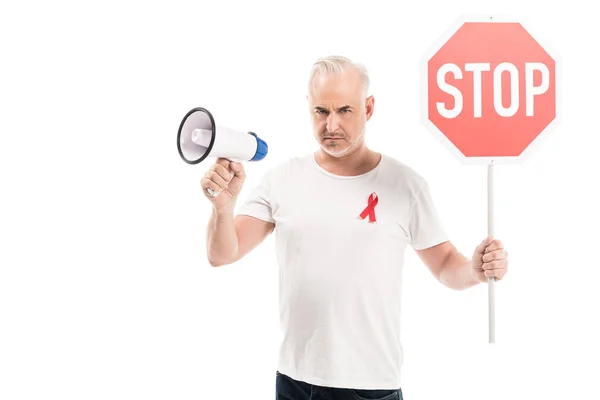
(207, 183)
(223, 161)
(490, 265)
(493, 265)
(217, 179)
(238, 169)
(490, 273)
(223, 172)
(494, 245)
(495, 255)
(497, 273)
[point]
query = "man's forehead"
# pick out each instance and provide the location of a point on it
(335, 102)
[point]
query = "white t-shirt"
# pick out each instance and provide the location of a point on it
(340, 275)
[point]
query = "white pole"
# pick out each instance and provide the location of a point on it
(491, 279)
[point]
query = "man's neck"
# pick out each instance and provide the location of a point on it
(357, 163)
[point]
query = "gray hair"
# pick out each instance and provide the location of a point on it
(335, 65)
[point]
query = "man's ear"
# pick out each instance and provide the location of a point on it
(369, 106)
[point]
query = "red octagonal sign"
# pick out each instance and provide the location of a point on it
(488, 89)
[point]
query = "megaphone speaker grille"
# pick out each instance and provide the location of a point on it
(196, 135)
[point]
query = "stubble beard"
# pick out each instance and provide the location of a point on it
(333, 150)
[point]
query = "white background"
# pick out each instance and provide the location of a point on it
(105, 289)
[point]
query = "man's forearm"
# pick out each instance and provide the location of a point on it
(456, 272)
(221, 238)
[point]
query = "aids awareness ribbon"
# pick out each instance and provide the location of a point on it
(370, 209)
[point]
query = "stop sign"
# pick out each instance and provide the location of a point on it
(488, 89)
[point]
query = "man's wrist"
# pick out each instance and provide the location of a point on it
(473, 273)
(224, 210)
(458, 272)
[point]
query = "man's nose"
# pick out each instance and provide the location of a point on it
(333, 122)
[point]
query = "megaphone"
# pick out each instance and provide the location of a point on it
(199, 137)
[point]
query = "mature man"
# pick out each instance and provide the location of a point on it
(344, 216)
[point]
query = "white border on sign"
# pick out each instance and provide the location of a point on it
(451, 30)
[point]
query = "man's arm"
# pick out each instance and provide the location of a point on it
(230, 238)
(449, 266)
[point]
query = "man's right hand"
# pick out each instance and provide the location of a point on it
(226, 179)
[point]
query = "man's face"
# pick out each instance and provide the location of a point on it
(339, 112)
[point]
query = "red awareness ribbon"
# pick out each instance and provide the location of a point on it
(370, 209)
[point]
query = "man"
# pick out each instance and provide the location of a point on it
(344, 216)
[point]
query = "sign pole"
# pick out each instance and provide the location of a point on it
(491, 279)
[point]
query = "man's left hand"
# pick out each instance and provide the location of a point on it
(489, 259)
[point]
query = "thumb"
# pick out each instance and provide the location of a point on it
(486, 242)
(235, 185)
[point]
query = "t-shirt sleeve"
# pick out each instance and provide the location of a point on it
(426, 228)
(258, 202)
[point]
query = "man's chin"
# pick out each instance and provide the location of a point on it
(335, 152)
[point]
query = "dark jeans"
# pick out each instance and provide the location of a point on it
(291, 389)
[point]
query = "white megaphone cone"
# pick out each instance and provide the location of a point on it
(199, 138)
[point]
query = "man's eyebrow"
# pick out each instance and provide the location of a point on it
(339, 109)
